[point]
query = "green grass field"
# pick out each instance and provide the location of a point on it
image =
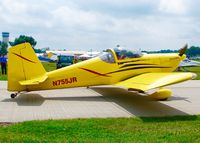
(194, 70)
(166, 129)
(3, 77)
(49, 66)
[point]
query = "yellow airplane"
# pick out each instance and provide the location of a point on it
(133, 71)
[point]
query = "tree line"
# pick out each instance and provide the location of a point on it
(193, 51)
(19, 40)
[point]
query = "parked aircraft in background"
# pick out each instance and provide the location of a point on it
(73, 53)
(44, 58)
(88, 55)
(65, 60)
(64, 52)
(131, 70)
(189, 63)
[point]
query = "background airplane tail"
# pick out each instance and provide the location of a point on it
(23, 64)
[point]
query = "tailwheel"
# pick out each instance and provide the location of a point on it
(162, 94)
(13, 95)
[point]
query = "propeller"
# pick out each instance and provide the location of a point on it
(183, 50)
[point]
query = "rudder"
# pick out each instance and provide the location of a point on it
(23, 64)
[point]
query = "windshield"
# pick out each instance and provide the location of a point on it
(126, 54)
(107, 57)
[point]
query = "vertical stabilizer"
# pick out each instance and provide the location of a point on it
(23, 64)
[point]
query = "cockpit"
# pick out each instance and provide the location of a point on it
(107, 57)
(126, 54)
(111, 55)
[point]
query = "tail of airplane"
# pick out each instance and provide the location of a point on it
(23, 65)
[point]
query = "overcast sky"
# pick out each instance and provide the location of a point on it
(102, 24)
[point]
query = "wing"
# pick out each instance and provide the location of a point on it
(34, 80)
(149, 81)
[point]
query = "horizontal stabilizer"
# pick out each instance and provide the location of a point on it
(34, 81)
(149, 81)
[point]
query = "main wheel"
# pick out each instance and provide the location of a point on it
(13, 95)
(164, 99)
(162, 94)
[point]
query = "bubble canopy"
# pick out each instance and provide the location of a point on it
(120, 54)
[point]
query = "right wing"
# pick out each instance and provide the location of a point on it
(149, 81)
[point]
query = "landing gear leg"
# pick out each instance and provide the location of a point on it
(13, 95)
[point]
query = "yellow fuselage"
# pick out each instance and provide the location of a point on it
(98, 72)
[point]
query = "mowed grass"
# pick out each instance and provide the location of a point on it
(165, 129)
(194, 70)
(3, 77)
(49, 66)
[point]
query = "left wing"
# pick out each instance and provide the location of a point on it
(149, 81)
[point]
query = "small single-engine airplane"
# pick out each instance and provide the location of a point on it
(134, 71)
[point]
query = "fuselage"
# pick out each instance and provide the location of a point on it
(100, 71)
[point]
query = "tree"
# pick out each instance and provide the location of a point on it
(23, 39)
(38, 51)
(3, 48)
(193, 51)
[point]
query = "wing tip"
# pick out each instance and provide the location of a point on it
(194, 75)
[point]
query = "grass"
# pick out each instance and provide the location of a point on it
(164, 129)
(194, 70)
(49, 66)
(3, 77)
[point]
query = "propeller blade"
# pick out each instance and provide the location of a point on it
(183, 50)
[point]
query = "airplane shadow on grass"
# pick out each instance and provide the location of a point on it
(132, 103)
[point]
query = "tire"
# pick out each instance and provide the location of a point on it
(13, 95)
